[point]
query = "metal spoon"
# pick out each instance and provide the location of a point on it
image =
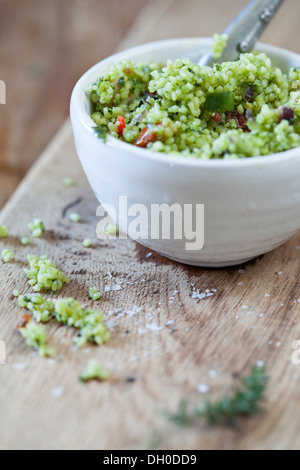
(245, 30)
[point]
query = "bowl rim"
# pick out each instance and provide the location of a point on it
(77, 110)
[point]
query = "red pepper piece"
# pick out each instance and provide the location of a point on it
(217, 117)
(145, 137)
(121, 125)
(25, 319)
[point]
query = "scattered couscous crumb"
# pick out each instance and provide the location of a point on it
(74, 217)
(3, 231)
(112, 229)
(43, 274)
(16, 293)
(67, 181)
(89, 321)
(219, 44)
(41, 309)
(37, 228)
(87, 243)
(35, 336)
(25, 241)
(7, 255)
(71, 313)
(94, 294)
(92, 371)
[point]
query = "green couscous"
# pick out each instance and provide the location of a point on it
(36, 337)
(87, 243)
(93, 371)
(7, 255)
(244, 108)
(43, 274)
(3, 231)
(75, 217)
(94, 294)
(37, 228)
(219, 44)
(25, 241)
(69, 312)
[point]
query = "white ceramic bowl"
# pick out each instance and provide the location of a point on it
(251, 205)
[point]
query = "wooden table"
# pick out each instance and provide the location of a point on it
(164, 343)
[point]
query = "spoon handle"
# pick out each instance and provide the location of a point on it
(245, 30)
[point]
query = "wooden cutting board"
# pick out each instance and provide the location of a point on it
(164, 342)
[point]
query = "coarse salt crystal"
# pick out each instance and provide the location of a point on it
(133, 358)
(141, 331)
(153, 327)
(116, 287)
(203, 389)
(51, 362)
(57, 392)
(19, 366)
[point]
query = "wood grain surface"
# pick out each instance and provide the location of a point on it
(45, 46)
(164, 343)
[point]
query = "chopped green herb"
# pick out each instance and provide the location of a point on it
(43, 274)
(101, 132)
(3, 231)
(36, 338)
(74, 217)
(7, 256)
(219, 102)
(244, 401)
(94, 294)
(25, 241)
(92, 371)
(87, 242)
(37, 228)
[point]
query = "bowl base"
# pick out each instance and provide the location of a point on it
(206, 264)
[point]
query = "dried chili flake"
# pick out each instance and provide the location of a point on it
(240, 119)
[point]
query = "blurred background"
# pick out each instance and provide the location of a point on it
(46, 45)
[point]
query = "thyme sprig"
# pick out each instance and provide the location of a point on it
(245, 400)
